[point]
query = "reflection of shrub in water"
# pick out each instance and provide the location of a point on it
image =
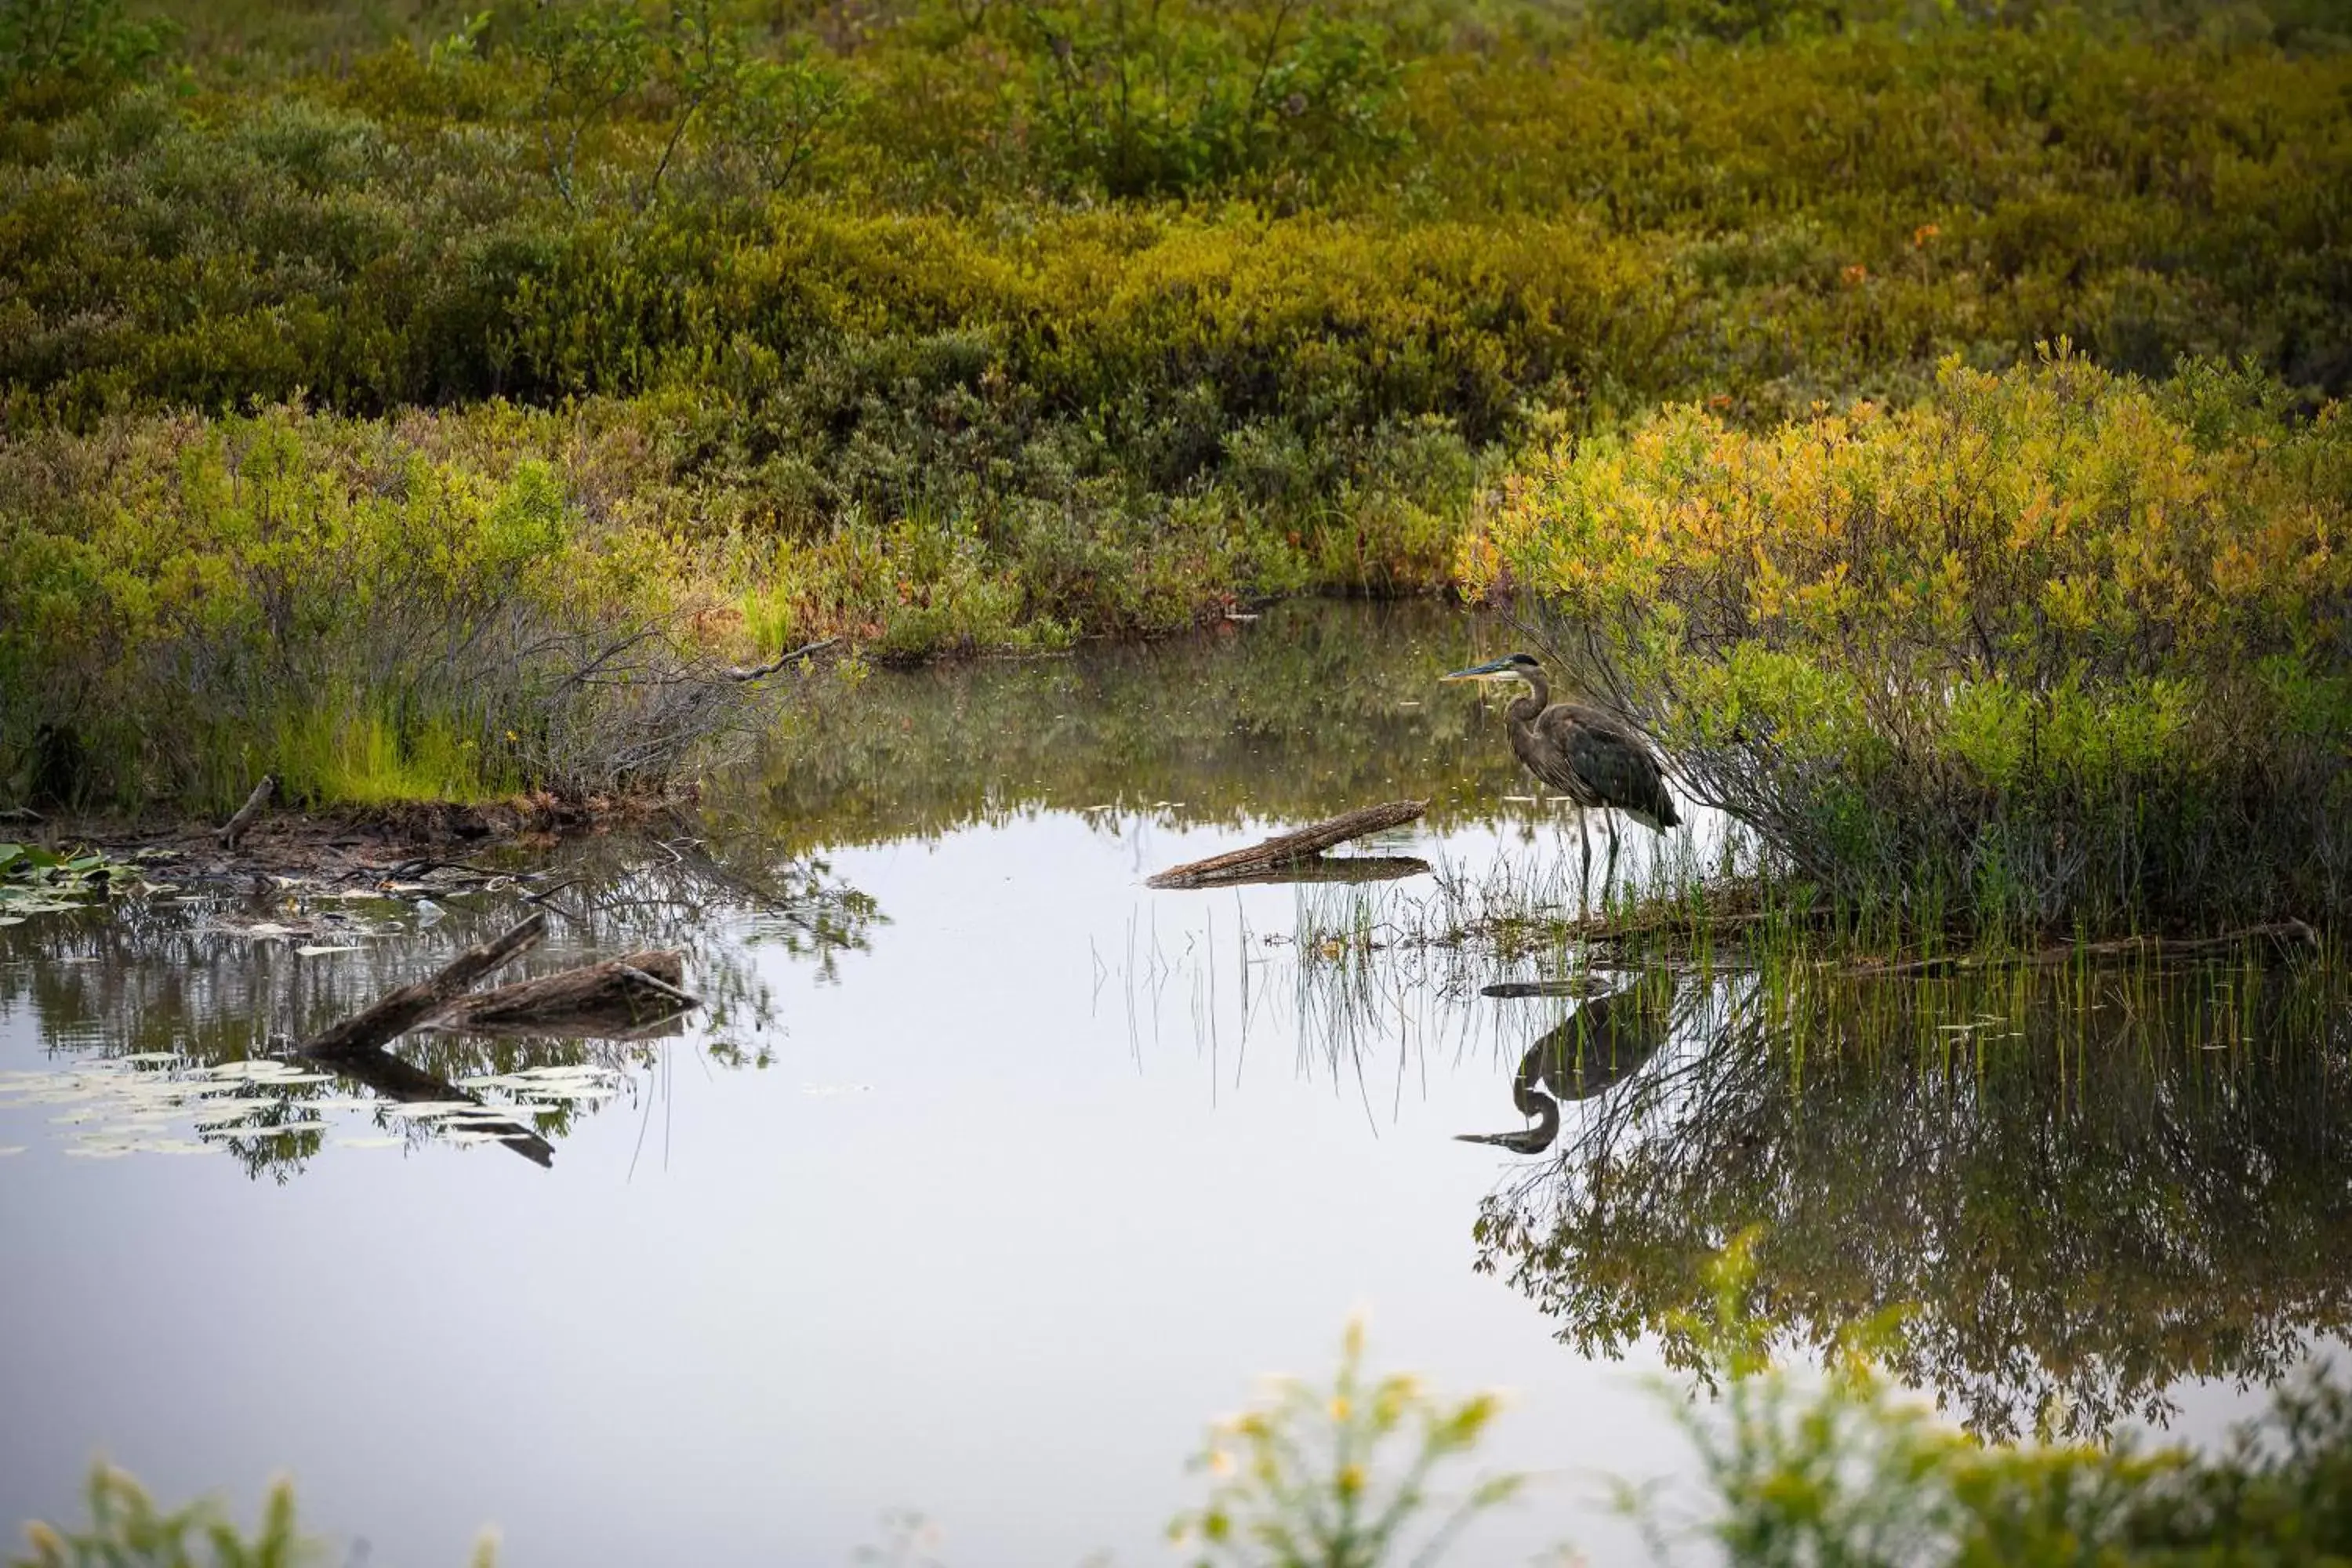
(2079, 1188)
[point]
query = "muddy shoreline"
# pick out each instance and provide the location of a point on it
(389, 848)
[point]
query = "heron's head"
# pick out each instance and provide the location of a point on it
(1510, 666)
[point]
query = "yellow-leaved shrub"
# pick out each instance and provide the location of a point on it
(2054, 646)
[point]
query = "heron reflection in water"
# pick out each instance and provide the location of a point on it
(1587, 754)
(1601, 1045)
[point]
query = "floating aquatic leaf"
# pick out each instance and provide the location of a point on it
(426, 1110)
(315, 949)
(151, 1057)
(222, 1112)
(8, 1149)
(97, 1151)
(377, 1141)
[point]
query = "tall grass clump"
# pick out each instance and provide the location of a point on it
(2054, 649)
(193, 604)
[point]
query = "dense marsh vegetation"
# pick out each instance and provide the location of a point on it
(2048, 649)
(945, 327)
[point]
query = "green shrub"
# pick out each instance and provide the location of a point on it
(2056, 650)
(192, 603)
(958, 326)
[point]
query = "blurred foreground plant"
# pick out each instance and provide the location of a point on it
(1340, 1478)
(127, 1528)
(1850, 1470)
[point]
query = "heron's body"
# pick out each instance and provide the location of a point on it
(1590, 756)
(1587, 754)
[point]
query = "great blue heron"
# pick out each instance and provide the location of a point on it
(1587, 754)
(1598, 1047)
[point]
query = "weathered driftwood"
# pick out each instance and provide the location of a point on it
(619, 995)
(1287, 850)
(415, 1004)
(396, 1080)
(235, 828)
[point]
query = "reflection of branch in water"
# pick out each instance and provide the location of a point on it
(396, 1080)
(1599, 1046)
(1327, 869)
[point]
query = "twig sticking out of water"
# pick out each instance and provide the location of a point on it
(753, 672)
(246, 813)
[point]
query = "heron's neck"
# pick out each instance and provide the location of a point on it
(1547, 1127)
(1530, 704)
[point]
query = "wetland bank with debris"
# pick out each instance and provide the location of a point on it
(775, 563)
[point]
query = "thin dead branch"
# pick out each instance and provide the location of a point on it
(247, 814)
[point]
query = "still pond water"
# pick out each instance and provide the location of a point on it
(990, 1175)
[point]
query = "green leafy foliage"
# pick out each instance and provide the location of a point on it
(2056, 650)
(991, 324)
(191, 605)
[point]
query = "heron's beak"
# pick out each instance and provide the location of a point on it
(1493, 669)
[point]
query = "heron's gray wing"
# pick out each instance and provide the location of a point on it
(1613, 762)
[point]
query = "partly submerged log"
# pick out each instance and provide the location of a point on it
(1289, 849)
(234, 829)
(416, 1003)
(619, 997)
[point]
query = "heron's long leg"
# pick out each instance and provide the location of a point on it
(1609, 876)
(1584, 876)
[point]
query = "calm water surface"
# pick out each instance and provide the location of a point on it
(991, 1175)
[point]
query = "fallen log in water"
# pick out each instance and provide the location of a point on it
(415, 1004)
(618, 995)
(1289, 851)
